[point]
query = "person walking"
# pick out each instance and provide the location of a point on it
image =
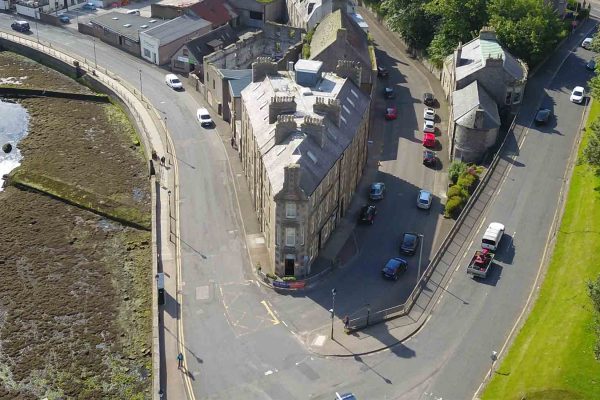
(346, 322)
(179, 360)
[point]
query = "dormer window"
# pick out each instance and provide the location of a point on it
(290, 210)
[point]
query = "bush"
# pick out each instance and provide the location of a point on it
(272, 276)
(467, 181)
(453, 206)
(288, 278)
(456, 169)
(594, 293)
(456, 191)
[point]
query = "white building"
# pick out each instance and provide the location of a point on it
(306, 14)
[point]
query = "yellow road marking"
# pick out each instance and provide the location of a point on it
(274, 320)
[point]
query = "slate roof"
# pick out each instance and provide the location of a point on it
(219, 12)
(315, 161)
(355, 47)
(238, 84)
(475, 52)
(116, 21)
(466, 102)
(175, 28)
(201, 46)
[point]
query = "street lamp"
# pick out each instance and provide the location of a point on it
(95, 62)
(420, 257)
(494, 357)
(332, 311)
(141, 91)
(37, 32)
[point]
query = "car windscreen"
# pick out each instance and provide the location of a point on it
(409, 240)
(489, 241)
(205, 116)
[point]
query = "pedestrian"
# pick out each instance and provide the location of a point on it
(179, 360)
(162, 160)
(233, 142)
(346, 322)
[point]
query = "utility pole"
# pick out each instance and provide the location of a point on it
(333, 292)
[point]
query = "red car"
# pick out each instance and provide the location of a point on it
(428, 139)
(391, 113)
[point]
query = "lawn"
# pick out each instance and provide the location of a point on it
(552, 356)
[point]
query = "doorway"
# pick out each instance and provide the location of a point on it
(290, 261)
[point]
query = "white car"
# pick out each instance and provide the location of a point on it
(204, 117)
(587, 43)
(429, 126)
(173, 81)
(429, 114)
(424, 199)
(578, 95)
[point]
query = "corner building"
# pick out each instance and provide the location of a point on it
(303, 148)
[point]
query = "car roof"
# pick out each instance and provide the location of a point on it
(202, 111)
(171, 76)
(423, 194)
(579, 88)
(20, 21)
(376, 184)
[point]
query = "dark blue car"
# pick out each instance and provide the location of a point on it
(393, 268)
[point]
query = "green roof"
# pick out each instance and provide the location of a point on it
(326, 33)
(490, 49)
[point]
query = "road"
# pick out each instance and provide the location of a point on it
(236, 346)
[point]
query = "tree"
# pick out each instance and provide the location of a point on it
(460, 21)
(410, 20)
(594, 292)
(529, 29)
(591, 152)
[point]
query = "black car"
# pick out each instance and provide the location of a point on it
(382, 72)
(428, 99)
(409, 243)
(393, 268)
(367, 214)
(20, 26)
(389, 93)
(591, 65)
(543, 116)
(429, 158)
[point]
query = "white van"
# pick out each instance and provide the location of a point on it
(491, 237)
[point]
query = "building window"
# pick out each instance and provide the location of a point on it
(516, 99)
(290, 237)
(214, 84)
(508, 97)
(146, 53)
(290, 210)
(256, 15)
(185, 52)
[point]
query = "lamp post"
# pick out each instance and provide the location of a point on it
(141, 87)
(37, 31)
(333, 292)
(368, 313)
(494, 357)
(95, 62)
(420, 257)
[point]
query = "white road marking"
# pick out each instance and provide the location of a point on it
(319, 340)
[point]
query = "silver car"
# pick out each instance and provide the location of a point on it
(424, 200)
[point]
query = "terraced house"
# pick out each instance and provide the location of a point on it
(303, 147)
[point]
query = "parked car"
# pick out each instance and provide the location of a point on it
(391, 113)
(173, 82)
(429, 114)
(89, 6)
(591, 65)
(135, 11)
(20, 26)
(64, 18)
(393, 268)
(424, 199)
(429, 158)
(204, 117)
(429, 126)
(542, 116)
(367, 214)
(428, 139)
(578, 95)
(428, 99)
(409, 243)
(377, 191)
(382, 72)
(389, 93)
(587, 42)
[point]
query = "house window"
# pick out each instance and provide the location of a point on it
(146, 53)
(214, 84)
(290, 237)
(290, 210)
(256, 15)
(508, 97)
(516, 98)
(185, 52)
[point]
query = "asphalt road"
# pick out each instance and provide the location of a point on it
(241, 349)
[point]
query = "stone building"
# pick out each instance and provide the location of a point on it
(279, 42)
(255, 13)
(499, 76)
(303, 150)
(338, 37)
(306, 14)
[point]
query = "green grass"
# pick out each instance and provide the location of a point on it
(552, 356)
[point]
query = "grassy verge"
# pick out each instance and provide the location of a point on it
(552, 356)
